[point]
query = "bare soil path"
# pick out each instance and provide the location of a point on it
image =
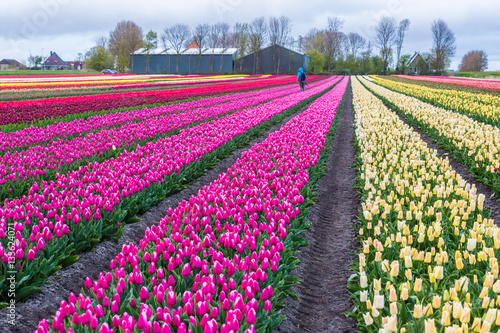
(325, 263)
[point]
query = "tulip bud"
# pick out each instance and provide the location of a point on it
(408, 262)
(417, 311)
(393, 308)
(471, 244)
(445, 318)
(144, 295)
(476, 325)
(368, 319)
(363, 280)
(436, 301)
(378, 302)
(430, 327)
(394, 268)
(391, 324)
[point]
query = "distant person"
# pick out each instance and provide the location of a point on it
(301, 79)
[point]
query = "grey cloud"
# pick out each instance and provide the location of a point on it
(32, 22)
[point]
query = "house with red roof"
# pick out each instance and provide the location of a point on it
(10, 64)
(54, 61)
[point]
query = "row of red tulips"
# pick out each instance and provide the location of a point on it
(59, 218)
(219, 262)
(97, 88)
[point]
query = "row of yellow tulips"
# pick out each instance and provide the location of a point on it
(429, 255)
(473, 143)
(481, 107)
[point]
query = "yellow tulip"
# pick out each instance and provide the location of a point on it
(430, 327)
(368, 319)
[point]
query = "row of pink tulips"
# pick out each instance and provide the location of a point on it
(478, 84)
(217, 262)
(55, 216)
(38, 135)
(63, 156)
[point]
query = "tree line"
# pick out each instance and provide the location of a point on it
(330, 49)
(127, 38)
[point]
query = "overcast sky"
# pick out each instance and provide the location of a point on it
(71, 27)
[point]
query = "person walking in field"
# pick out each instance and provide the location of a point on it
(301, 79)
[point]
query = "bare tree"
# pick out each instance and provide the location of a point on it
(279, 36)
(102, 42)
(444, 45)
(176, 37)
(224, 41)
(214, 36)
(258, 34)
(474, 61)
(403, 27)
(333, 39)
(385, 35)
(200, 35)
(125, 40)
(356, 42)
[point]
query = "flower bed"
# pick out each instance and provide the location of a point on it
(220, 261)
(20, 169)
(452, 83)
(69, 215)
(429, 256)
(36, 135)
(473, 143)
(484, 108)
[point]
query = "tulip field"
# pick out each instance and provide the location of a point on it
(429, 252)
(83, 158)
(217, 261)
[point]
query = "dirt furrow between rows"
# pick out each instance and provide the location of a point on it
(325, 263)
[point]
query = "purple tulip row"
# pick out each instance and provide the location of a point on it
(213, 264)
(38, 135)
(53, 210)
(37, 160)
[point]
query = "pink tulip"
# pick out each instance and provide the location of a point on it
(94, 324)
(116, 321)
(31, 255)
(186, 270)
(171, 299)
(144, 295)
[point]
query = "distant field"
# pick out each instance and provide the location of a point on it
(39, 72)
(479, 75)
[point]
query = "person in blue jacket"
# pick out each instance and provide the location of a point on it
(301, 78)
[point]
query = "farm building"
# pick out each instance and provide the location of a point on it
(414, 63)
(54, 61)
(273, 59)
(189, 61)
(10, 64)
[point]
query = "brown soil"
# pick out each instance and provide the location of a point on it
(45, 303)
(325, 263)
